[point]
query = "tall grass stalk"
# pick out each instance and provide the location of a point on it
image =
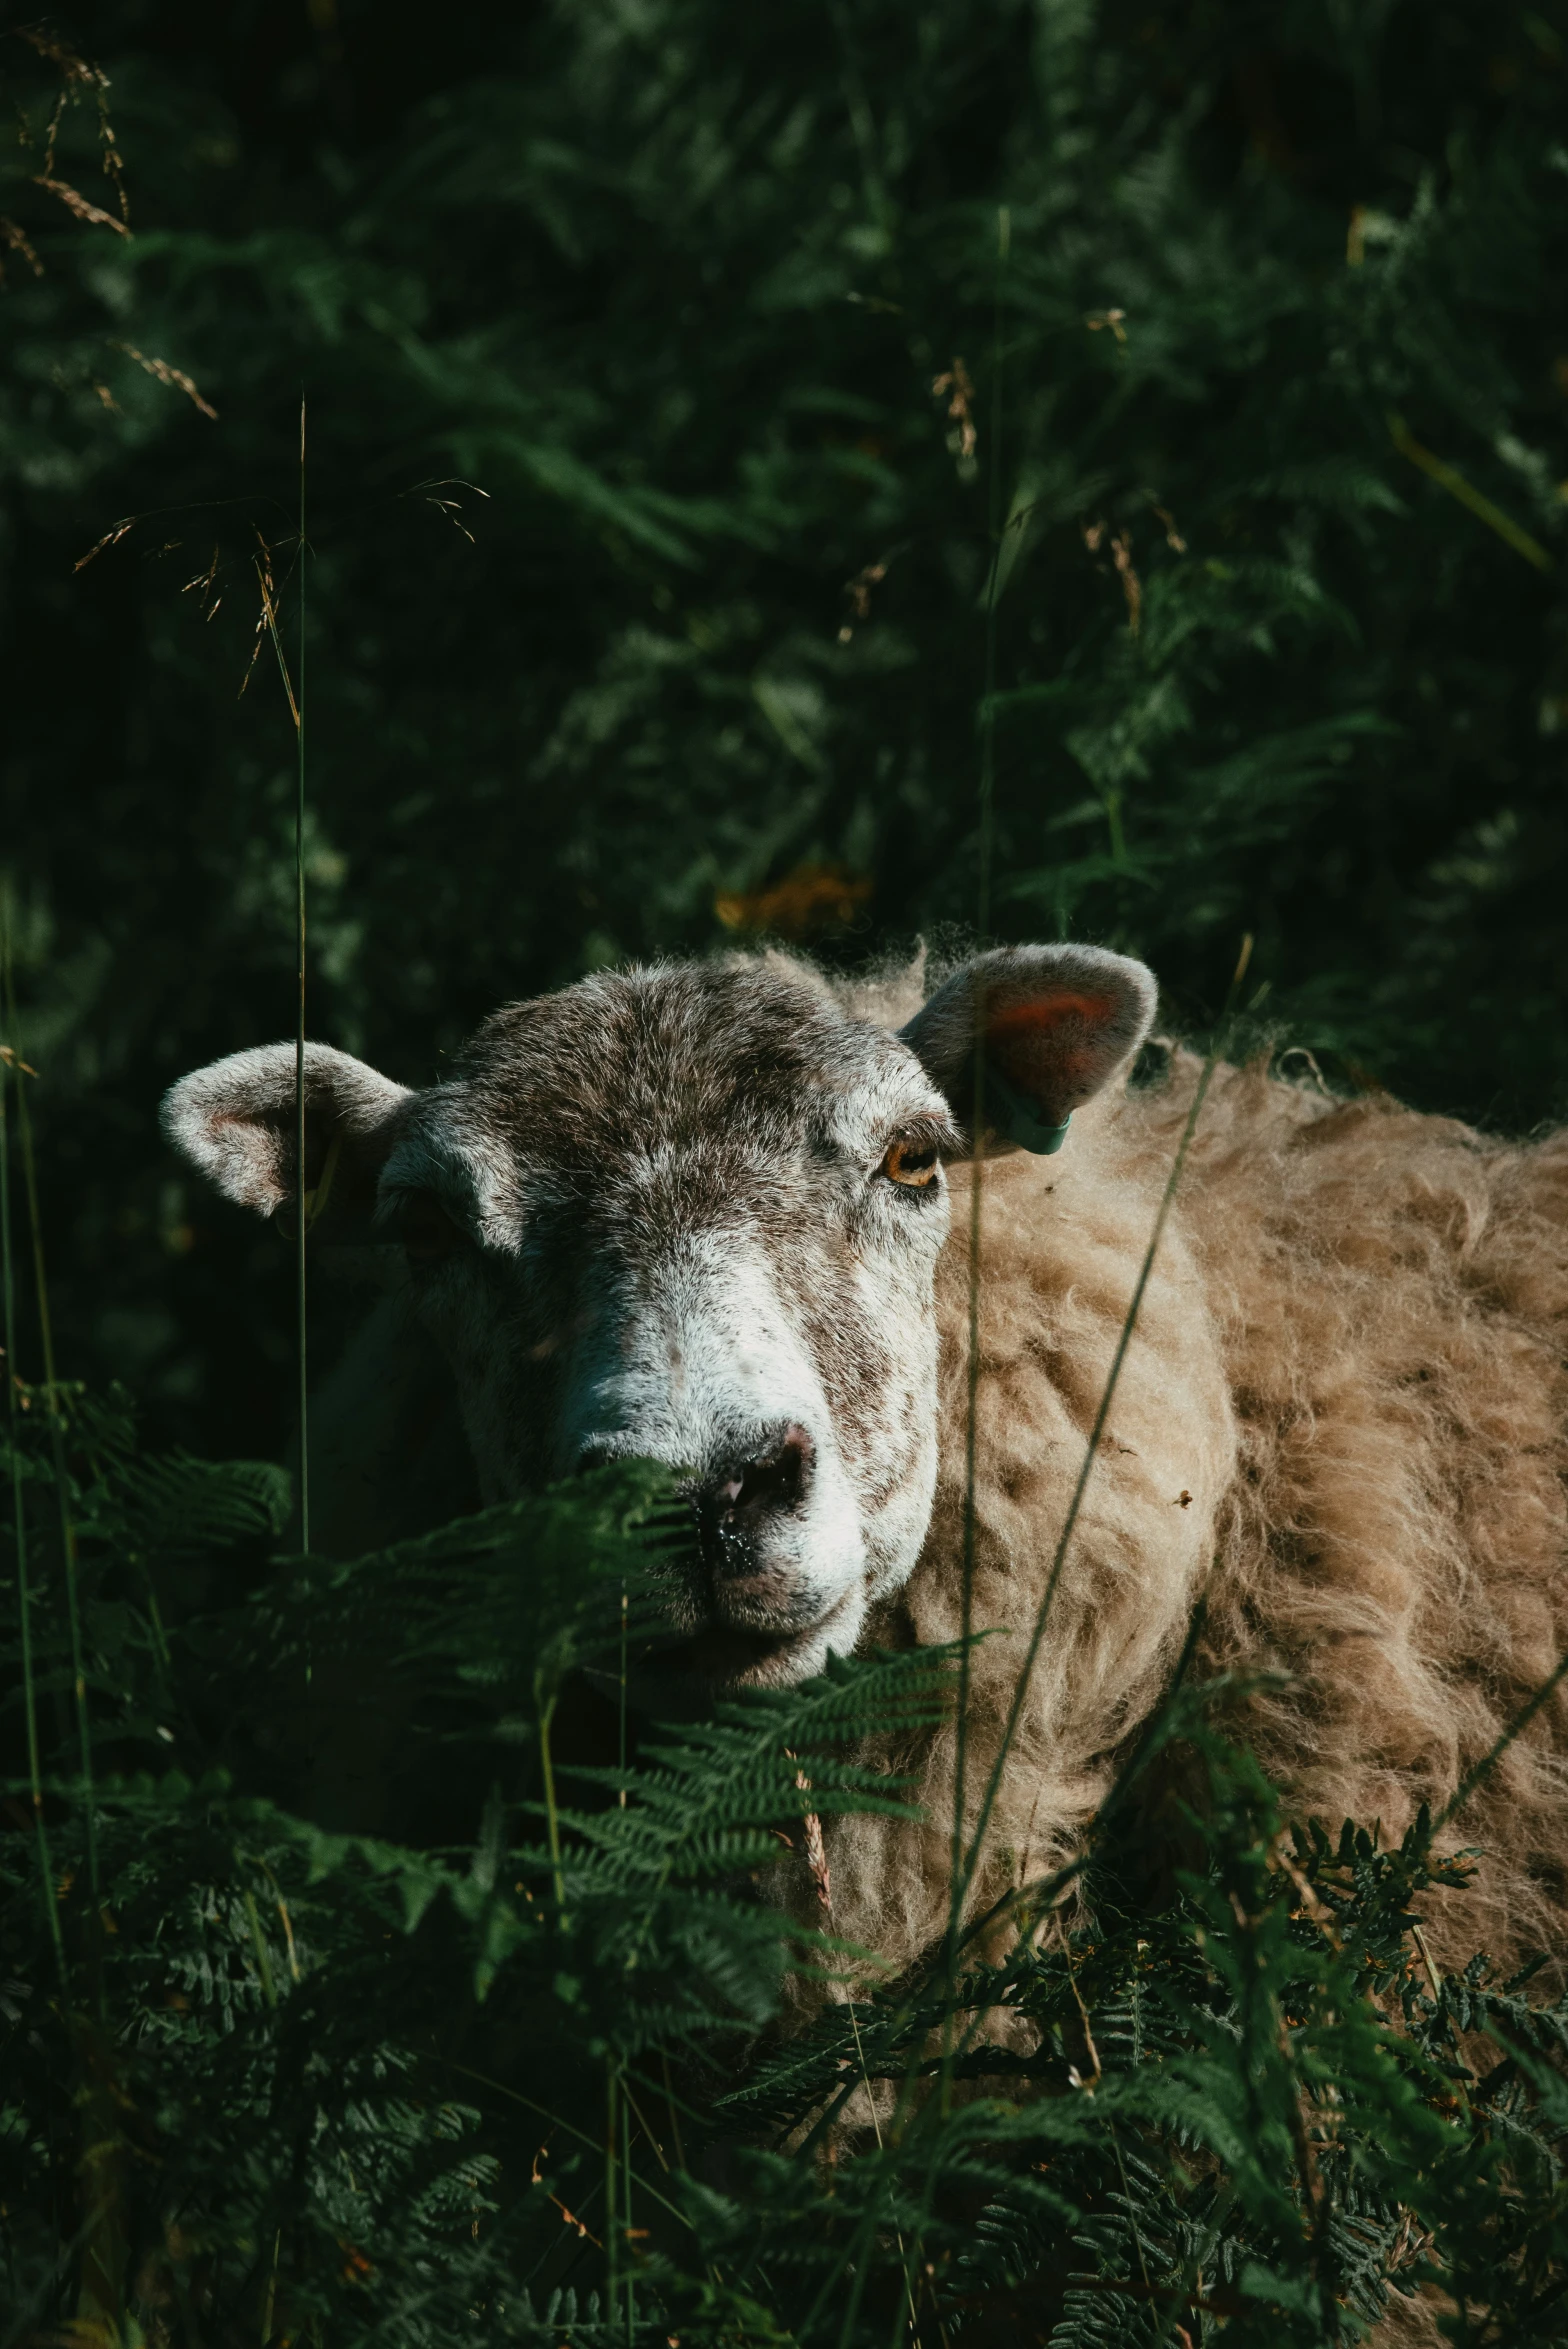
(53, 1411)
(301, 1215)
(551, 1809)
(612, 2211)
(302, 1200)
(985, 850)
(626, 2184)
(10, 1067)
(1480, 1771)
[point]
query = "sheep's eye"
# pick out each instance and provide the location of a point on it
(913, 1165)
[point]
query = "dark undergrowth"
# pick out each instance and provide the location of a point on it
(1254, 484)
(508, 2069)
(1062, 469)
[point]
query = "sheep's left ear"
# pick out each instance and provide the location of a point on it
(1031, 1032)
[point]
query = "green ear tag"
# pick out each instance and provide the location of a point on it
(1020, 1122)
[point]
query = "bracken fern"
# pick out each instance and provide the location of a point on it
(313, 2082)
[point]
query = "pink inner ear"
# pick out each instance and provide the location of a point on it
(1045, 1012)
(1050, 1044)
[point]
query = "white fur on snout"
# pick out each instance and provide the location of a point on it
(695, 1362)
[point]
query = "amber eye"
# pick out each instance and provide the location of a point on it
(911, 1164)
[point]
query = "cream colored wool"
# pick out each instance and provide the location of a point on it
(1342, 1410)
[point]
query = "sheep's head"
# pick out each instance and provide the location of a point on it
(693, 1213)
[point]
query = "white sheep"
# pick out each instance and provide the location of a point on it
(721, 1215)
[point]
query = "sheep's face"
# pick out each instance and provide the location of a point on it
(693, 1214)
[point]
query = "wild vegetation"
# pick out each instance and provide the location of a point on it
(1034, 469)
(269, 2081)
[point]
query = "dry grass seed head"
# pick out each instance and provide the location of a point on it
(14, 239)
(77, 77)
(960, 393)
(175, 377)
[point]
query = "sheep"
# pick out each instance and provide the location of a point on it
(724, 1214)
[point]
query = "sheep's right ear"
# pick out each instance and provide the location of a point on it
(237, 1123)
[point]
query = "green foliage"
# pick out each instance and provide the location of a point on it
(528, 2083)
(685, 387)
(672, 285)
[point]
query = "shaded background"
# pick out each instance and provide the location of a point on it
(1270, 397)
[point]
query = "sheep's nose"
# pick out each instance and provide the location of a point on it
(735, 1501)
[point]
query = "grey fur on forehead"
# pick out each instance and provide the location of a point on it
(744, 1045)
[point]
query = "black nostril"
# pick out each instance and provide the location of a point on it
(772, 1477)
